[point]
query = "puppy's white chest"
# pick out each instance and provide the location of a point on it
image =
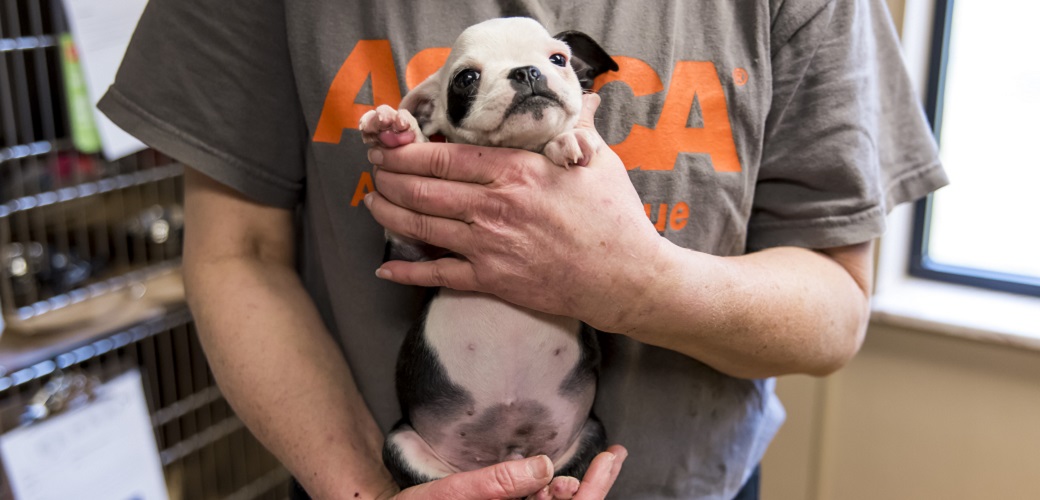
(498, 351)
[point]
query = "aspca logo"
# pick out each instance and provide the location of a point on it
(693, 83)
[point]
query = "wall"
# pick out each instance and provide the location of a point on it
(915, 416)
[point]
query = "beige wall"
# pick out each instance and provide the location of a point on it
(895, 7)
(916, 416)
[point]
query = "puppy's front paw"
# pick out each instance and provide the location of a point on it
(574, 147)
(389, 127)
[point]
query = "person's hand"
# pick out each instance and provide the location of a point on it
(529, 478)
(569, 241)
(598, 480)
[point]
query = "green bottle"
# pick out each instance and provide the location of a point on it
(81, 112)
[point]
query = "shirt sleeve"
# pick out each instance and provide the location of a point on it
(210, 83)
(846, 137)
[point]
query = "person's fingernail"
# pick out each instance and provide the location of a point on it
(368, 200)
(375, 155)
(539, 467)
(384, 274)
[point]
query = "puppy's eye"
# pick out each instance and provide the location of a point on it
(558, 59)
(465, 78)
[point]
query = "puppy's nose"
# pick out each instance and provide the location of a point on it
(528, 74)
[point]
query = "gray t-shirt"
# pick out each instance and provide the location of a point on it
(745, 125)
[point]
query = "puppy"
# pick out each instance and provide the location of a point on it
(479, 380)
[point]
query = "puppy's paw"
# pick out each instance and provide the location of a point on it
(389, 127)
(574, 147)
(561, 488)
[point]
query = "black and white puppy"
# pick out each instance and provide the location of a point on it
(481, 381)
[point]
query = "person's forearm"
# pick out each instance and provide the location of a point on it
(284, 376)
(774, 312)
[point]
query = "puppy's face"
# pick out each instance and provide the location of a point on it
(507, 82)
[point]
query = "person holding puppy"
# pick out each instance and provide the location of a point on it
(723, 239)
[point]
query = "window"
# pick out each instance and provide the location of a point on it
(984, 103)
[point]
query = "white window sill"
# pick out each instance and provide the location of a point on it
(945, 308)
(960, 311)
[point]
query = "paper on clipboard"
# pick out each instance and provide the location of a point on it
(102, 31)
(104, 450)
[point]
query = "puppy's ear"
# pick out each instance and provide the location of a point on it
(422, 102)
(588, 59)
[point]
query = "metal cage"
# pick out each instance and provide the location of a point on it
(89, 257)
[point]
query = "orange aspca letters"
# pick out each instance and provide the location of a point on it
(674, 218)
(658, 148)
(639, 76)
(369, 58)
(693, 82)
(365, 185)
(424, 64)
(644, 148)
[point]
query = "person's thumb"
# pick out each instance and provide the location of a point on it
(513, 479)
(589, 105)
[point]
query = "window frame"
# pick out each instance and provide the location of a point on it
(920, 263)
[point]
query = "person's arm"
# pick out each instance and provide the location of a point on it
(773, 312)
(576, 242)
(268, 348)
(283, 374)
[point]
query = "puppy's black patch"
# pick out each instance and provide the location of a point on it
(417, 252)
(402, 472)
(586, 371)
(588, 59)
(593, 441)
(462, 91)
(421, 380)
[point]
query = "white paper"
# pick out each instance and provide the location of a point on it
(101, 30)
(104, 450)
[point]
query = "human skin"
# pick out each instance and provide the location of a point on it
(576, 242)
(253, 313)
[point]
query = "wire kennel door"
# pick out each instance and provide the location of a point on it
(72, 225)
(205, 450)
(81, 238)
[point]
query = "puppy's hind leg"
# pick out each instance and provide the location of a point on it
(410, 459)
(593, 440)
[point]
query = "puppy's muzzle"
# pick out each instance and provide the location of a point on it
(532, 92)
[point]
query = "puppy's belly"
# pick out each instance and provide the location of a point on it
(518, 366)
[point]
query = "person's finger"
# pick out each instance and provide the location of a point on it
(448, 272)
(512, 479)
(393, 139)
(589, 104)
(431, 196)
(437, 231)
(602, 473)
(455, 162)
